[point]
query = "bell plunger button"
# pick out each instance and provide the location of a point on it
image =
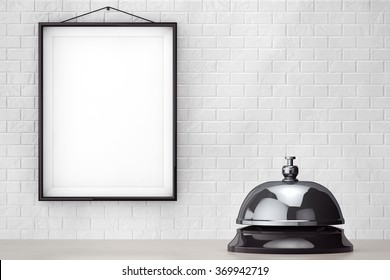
(290, 171)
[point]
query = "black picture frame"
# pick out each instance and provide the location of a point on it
(42, 26)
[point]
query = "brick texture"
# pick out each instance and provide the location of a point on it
(257, 79)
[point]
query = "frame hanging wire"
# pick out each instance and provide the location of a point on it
(108, 8)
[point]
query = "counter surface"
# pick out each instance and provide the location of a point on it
(167, 249)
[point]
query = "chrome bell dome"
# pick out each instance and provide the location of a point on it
(290, 203)
(290, 217)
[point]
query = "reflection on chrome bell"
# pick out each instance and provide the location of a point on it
(290, 216)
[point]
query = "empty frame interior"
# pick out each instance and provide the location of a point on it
(108, 111)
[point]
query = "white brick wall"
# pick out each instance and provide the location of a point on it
(257, 80)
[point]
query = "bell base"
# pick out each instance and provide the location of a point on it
(290, 240)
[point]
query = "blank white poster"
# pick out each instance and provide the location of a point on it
(108, 110)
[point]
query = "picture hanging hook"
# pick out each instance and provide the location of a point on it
(109, 8)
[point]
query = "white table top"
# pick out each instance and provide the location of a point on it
(166, 249)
